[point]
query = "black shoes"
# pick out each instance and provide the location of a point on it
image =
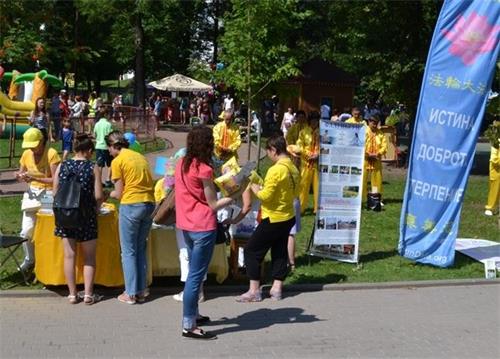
(201, 334)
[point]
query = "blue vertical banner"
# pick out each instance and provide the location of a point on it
(457, 79)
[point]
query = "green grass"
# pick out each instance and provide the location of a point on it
(379, 261)
(379, 235)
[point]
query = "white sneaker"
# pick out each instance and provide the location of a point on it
(488, 213)
(178, 297)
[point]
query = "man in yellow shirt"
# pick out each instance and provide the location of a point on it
(375, 148)
(308, 147)
(356, 116)
(227, 138)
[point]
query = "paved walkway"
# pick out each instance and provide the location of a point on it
(437, 322)
(175, 140)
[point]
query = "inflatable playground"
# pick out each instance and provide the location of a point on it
(23, 89)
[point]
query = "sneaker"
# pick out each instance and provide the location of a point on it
(125, 298)
(488, 213)
(178, 297)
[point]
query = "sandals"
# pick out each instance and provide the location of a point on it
(92, 298)
(275, 295)
(201, 334)
(249, 298)
(73, 299)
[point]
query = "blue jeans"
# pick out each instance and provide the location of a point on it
(134, 225)
(200, 246)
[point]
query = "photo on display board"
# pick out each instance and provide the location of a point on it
(334, 169)
(347, 224)
(338, 250)
(356, 171)
(350, 192)
(324, 151)
(344, 170)
(325, 139)
(323, 168)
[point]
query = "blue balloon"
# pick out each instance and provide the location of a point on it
(130, 137)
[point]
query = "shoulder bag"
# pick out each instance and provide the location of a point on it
(164, 212)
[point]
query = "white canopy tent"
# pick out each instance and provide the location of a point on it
(179, 83)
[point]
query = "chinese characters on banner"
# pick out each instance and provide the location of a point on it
(342, 152)
(457, 79)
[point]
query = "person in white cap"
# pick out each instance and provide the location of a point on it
(37, 167)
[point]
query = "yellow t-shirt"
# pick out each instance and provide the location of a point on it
(281, 186)
(42, 168)
(133, 169)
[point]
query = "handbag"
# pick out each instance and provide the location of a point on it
(30, 201)
(164, 212)
(223, 235)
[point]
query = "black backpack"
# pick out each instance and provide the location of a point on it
(67, 208)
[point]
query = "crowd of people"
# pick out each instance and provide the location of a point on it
(281, 198)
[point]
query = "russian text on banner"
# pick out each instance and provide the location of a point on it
(457, 79)
(336, 228)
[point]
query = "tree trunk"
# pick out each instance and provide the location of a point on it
(216, 31)
(89, 84)
(139, 61)
(97, 84)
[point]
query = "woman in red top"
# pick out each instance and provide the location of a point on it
(196, 206)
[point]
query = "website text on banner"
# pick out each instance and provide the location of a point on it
(457, 79)
(341, 159)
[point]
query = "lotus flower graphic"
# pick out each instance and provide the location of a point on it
(472, 36)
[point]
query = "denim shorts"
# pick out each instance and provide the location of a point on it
(103, 158)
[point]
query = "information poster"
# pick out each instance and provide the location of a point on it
(336, 229)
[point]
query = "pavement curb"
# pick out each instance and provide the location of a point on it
(236, 289)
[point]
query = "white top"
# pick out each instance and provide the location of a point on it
(228, 104)
(288, 121)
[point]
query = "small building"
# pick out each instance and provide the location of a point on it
(320, 83)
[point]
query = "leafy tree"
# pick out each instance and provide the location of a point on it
(255, 48)
(384, 43)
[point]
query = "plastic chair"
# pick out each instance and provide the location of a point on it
(12, 244)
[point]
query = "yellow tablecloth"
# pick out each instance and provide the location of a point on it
(164, 256)
(49, 255)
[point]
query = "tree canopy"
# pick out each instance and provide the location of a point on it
(258, 42)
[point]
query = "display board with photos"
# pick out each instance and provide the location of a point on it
(337, 223)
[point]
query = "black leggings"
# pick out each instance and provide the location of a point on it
(267, 236)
